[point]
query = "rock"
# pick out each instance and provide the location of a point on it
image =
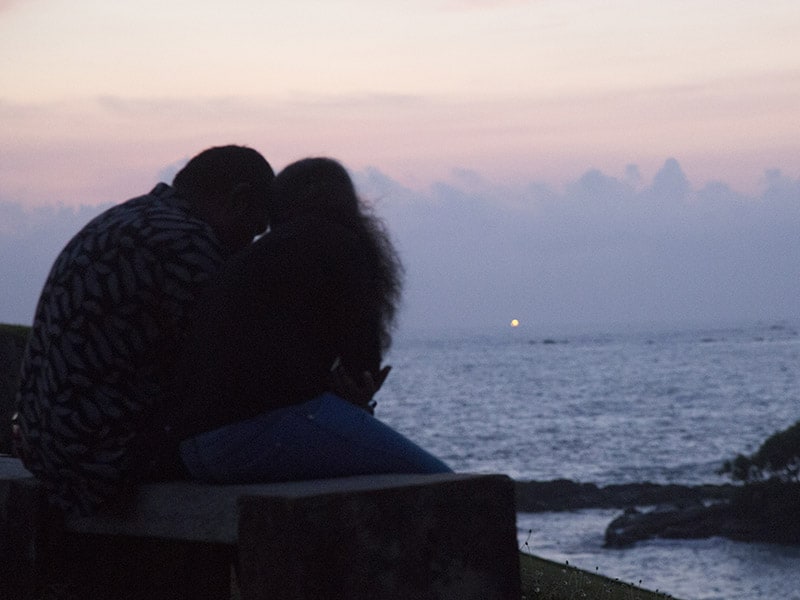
(757, 512)
(560, 494)
(689, 522)
(764, 512)
(564, 494)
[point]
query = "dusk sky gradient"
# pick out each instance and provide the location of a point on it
(553, 161)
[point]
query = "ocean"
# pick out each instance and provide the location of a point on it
(665, 406)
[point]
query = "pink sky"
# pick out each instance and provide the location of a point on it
(97, 98)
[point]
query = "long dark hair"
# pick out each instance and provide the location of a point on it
(321, 187)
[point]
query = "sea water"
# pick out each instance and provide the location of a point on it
(665, 406)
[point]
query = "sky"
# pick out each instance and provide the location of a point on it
(554, 161)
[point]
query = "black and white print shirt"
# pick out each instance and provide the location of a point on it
(108, 322)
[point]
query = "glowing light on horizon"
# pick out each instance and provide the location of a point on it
(514, 322)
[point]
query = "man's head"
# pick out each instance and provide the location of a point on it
(229, 188)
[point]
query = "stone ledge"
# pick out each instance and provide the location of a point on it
(209, 513)
(202, 512)
(385, 536)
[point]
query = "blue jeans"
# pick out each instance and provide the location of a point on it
(322, 438)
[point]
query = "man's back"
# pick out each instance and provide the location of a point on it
(117, 298)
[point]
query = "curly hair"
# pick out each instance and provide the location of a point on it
(321, 187)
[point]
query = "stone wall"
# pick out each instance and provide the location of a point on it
(392, 537)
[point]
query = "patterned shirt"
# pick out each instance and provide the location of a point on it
(113, 308)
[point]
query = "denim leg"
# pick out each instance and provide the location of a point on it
(325, 437)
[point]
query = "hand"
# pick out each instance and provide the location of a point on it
(358, 391)
(17, 443)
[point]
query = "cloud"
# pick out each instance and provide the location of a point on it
(671, 182)
(30, 239)
(482, 4)
(604, 250)
(167, 174)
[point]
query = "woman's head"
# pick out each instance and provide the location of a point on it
(314, 186)
(321, 188)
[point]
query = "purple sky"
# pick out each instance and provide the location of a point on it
(606, 251)
(519, 149)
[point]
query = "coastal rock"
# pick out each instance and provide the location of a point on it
(764, 512)
(689, 522)
(759, 512)
(564, 494)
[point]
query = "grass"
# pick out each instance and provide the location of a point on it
(18, 331)
(544, 579)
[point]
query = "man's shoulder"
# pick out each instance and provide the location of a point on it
(151, 232)
(150, 219)
(161, 207)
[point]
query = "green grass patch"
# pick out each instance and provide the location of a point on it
(544, 579)
(17, 331)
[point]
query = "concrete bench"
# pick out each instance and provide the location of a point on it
(384, 536)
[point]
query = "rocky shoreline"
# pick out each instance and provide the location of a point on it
(763, 512)
(564, 494)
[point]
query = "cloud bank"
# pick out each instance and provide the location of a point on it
(30, 239)
(603, 251)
